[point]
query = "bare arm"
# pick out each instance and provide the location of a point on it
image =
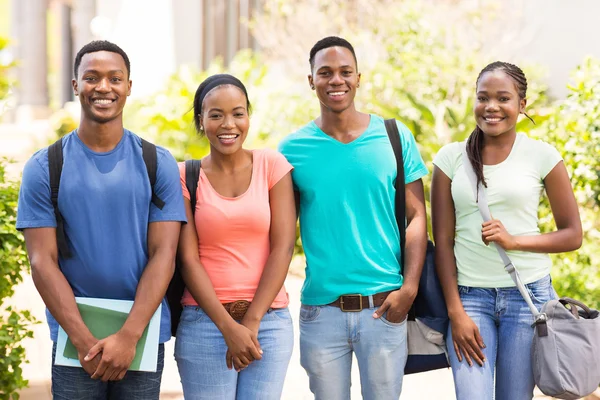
(569, 233)
(466, 338)
(162, 246)
(416, 235)
(282, 237)
(56, 291)
(243, 346)
(195, 277)
(398, 303)
(443, 221)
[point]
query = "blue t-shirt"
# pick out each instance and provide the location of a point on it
(347, 218)
(105, 201)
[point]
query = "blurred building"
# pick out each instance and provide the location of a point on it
(158, 36)
(161, 35)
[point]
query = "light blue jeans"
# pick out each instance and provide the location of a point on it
(328, 336)
(504, 322)
(200, 354)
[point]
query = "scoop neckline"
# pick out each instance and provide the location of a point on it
(510, 154)
(202, 173)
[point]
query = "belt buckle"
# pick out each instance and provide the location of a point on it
(238, 309)
(360, 307)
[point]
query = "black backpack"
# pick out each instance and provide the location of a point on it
(429, 306)
(177, 286)
(55, 164)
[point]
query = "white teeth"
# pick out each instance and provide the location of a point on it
(102, 101)
(336, 93)
(227, 136)
(493, 119)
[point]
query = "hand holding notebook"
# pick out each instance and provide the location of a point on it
(104, 318)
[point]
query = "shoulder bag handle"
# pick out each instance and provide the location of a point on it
(482, 202)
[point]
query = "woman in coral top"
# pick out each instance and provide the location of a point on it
(235, 337)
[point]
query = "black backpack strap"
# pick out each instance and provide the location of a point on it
(392, 130)
(177, 285)
(55, 164)
(149, 155)
(192, 174)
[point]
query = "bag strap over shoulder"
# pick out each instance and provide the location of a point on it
(149, 155)
(192, 174)
(482, 203)
(55, 164)
(400, 204)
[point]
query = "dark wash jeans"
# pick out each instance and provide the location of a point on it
(72, 383)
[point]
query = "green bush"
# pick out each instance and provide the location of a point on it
(575, 130)
(14, 324)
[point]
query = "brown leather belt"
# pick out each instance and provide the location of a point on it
(237, 309)
(357, 302)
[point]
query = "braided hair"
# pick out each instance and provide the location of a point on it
(475, 140)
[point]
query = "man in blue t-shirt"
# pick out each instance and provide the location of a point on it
(122, 246)
(354, 298)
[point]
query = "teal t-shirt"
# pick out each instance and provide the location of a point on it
(347, 218)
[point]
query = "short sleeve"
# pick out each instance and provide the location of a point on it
(414, 167)
(167, 188)
(277, 166)
(284, 149)
(445, 159)
(184, 188)
(548, 158)
(35, 209)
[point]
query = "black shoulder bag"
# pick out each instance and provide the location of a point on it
(428, 317)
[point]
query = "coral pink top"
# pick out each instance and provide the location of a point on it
(233, 233)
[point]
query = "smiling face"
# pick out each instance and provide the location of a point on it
(225, 119)
(102, 86)
(335, 79)
(498, 104)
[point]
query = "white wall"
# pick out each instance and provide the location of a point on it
(557, 34)
(144, 29)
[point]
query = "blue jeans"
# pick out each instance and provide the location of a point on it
(504, 322)
(200, 354)
(71, 383)
(328, 336)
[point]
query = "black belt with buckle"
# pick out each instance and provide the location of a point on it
(358, 302)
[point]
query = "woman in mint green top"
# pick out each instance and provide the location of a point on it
(490, 323)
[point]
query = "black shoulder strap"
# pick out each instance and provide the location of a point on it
(149, 155)
(394, 135)
(192, 174)
(55, 164)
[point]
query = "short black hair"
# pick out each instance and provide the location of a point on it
(213, 82)
(325, 43)
(100, 45)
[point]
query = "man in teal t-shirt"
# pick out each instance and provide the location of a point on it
(354, 298)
